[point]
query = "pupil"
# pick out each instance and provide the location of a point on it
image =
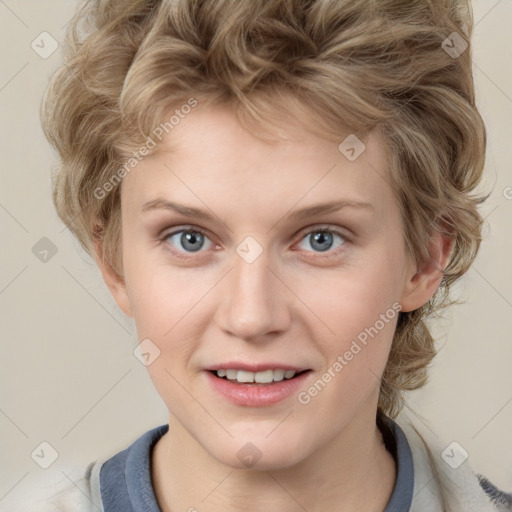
(321, 238)
(189, 240)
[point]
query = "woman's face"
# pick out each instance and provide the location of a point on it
(233, 261)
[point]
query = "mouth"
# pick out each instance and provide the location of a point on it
(259, 378)
(261, 388)
(256, 384)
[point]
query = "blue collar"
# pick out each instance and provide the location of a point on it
(125, 479)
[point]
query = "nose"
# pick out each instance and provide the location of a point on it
(254, 306)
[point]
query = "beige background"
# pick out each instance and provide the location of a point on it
(68, 375)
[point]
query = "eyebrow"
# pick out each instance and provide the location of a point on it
(298, 215)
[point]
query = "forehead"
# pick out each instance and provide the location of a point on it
(210, 157)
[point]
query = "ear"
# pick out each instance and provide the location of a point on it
(112, 278)
(423, 281)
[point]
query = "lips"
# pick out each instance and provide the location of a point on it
(255, 394)
(264, 377)
(262, 373)
(257, 367)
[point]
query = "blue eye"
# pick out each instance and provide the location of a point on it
(191, 240)
(322, 240)
(194, 240)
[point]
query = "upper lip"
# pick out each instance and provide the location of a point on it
(254, 367)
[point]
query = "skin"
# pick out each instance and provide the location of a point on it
(293, 304)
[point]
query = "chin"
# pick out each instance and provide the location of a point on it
(258, 455)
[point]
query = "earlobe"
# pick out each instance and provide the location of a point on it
(425, 281)
(113, 280)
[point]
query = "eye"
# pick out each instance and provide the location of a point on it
(324, 239)
(188, 240)
(192, 240)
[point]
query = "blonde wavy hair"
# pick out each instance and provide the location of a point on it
(362, 64)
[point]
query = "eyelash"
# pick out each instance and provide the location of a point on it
(316, 229)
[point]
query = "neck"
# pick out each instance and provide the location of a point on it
(352, 472)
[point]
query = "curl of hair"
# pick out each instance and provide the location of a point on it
(362, 64)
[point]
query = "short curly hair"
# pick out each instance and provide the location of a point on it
(402, 67)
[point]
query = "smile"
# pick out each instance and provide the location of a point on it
(263, 377)
(256, 389)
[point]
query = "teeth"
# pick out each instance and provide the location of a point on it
(231, 374)
(279, 375)
(265, 377)
(243, 376)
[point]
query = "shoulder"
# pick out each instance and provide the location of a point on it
(443, 477)
(74, 490)
(98, 486)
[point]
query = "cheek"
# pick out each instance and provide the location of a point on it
(348, 300)
(358, 310)
(159, 293)
(163, 302)
(168, 308)
(362, 315)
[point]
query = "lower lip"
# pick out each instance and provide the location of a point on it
(254, 395)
